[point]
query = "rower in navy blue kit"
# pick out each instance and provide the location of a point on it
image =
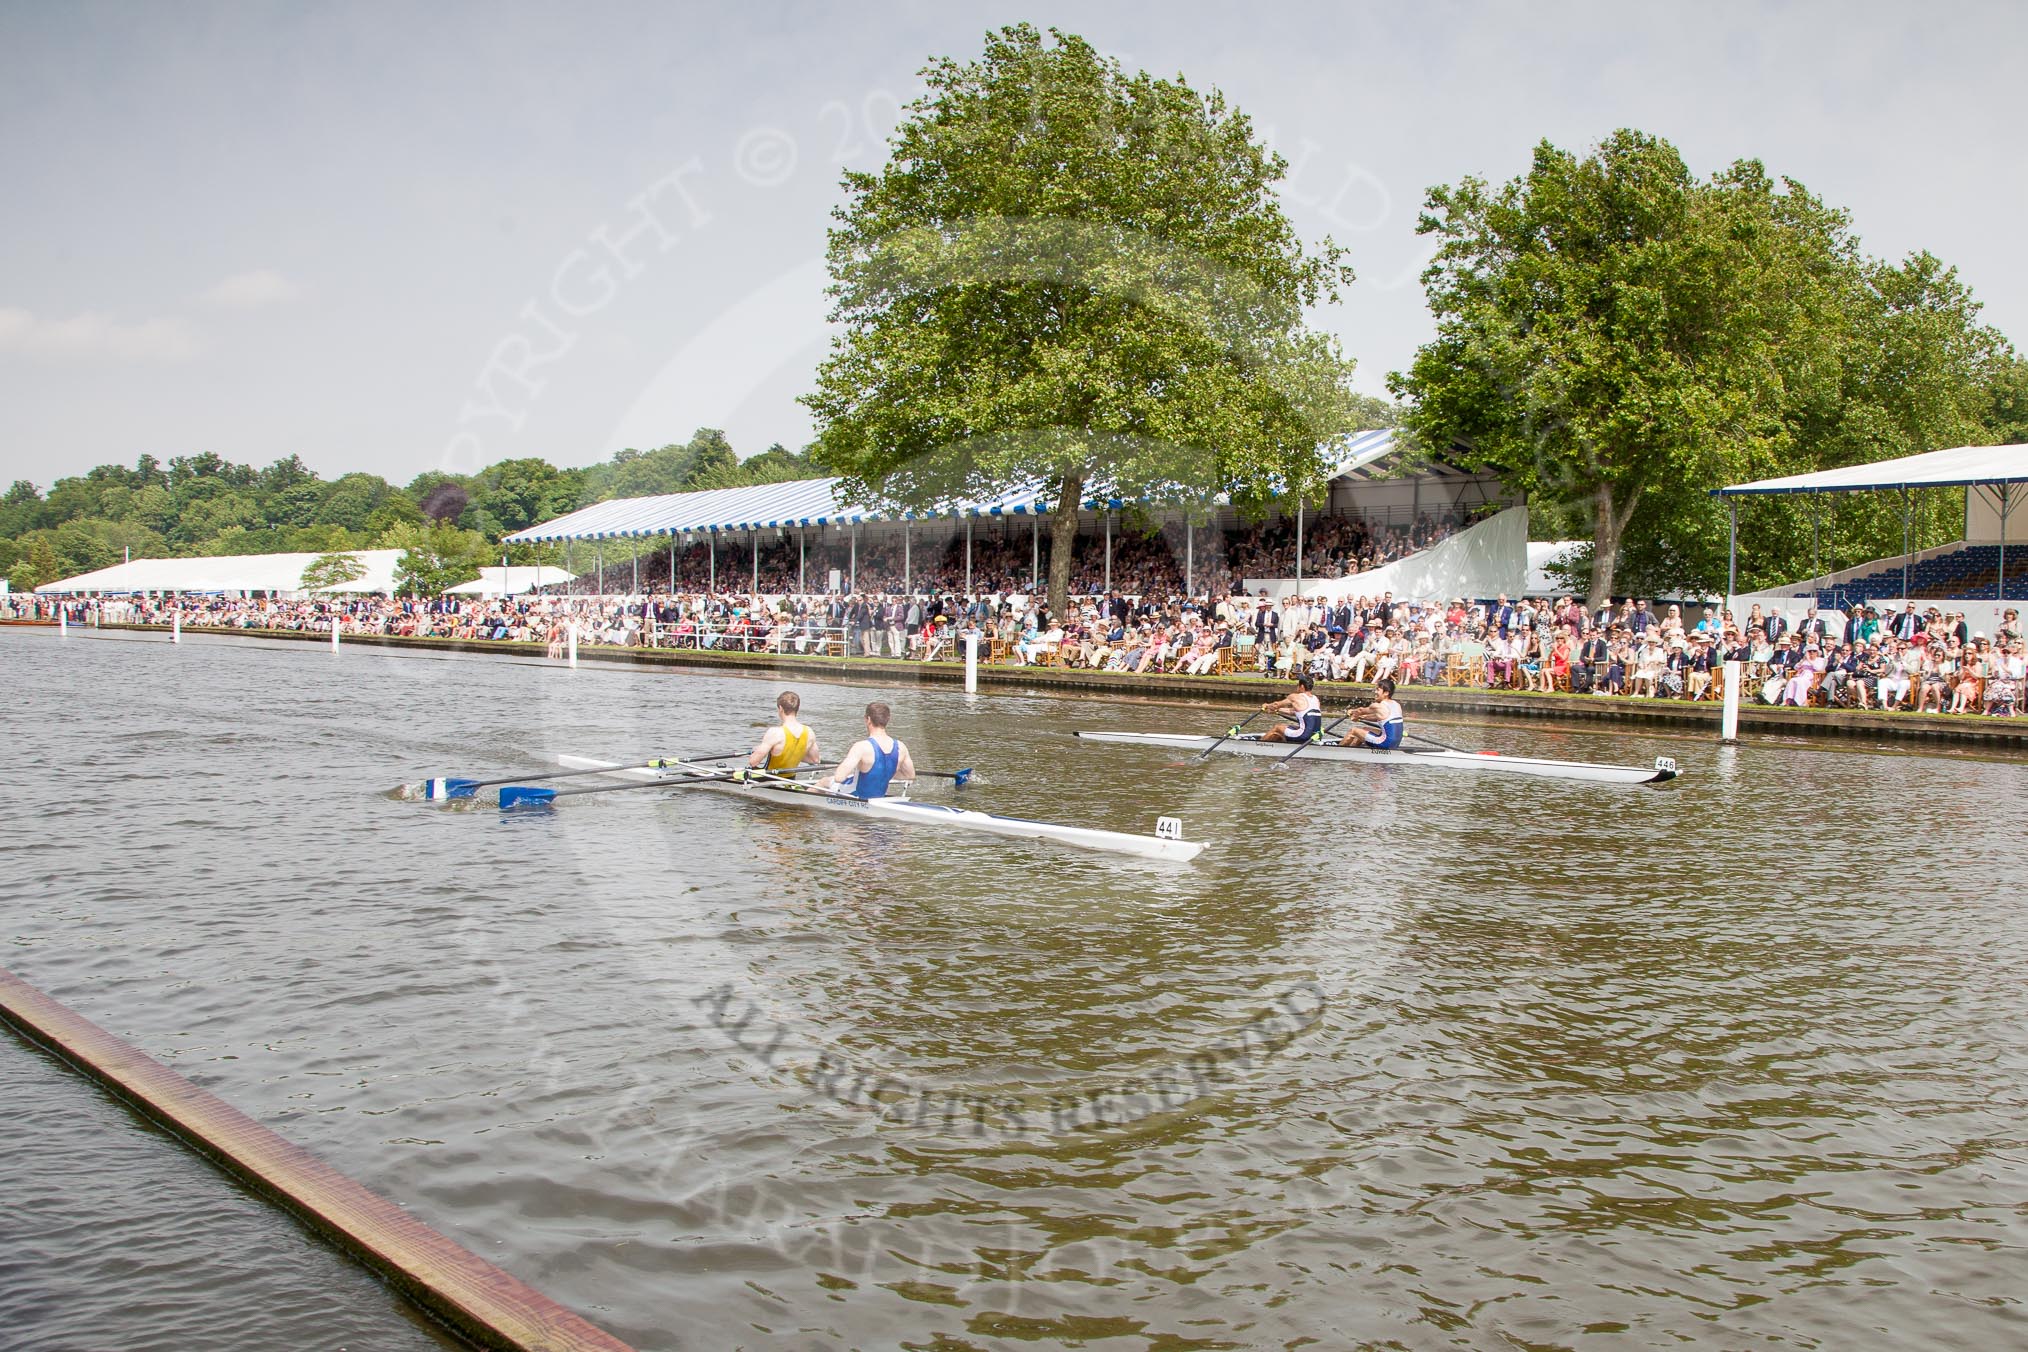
(1304, 710)
(1382, 719)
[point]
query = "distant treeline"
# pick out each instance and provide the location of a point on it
(203, 504)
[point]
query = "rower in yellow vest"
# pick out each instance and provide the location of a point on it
(790, 744)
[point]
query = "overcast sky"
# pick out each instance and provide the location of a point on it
(402, 237)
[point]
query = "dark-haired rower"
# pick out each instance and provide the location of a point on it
(1384, 712)
(1304, 709)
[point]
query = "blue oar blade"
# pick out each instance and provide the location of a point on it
(460, 788)
(522, 795)
(961, 778)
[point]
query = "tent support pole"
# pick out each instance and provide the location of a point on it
(570, 586)
(1299, 546)
(1109, 551)
(599, 565)
(1034, 553)
(637, 572)
(713, 575)
(1189, 556)
(1904, 543)
(907, 558)
(672, 563)
(756, 563)
(852, 583)
(803, 560)
(968, 558)
(1732, 554)
(2006, 505)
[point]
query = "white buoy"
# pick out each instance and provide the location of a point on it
(334, 627)
(971, 664)
(62, 621)
(176, 626)
(571, 628)
(1735, 677)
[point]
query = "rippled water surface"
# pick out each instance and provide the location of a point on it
(1406, 1058)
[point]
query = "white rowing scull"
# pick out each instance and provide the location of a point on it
(1249, 744)
(1167, 843)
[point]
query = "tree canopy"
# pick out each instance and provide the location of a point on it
(205, 504)
(1070, 276)
(1616, 336)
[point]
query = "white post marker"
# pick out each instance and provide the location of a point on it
(334, 628)
(62, 620)
(1735, 677)
(571, 630)
(971, 664)
(176, 625)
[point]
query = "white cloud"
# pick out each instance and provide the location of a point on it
(252, 290)
(94, 335)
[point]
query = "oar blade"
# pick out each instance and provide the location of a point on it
(525, 795)
(961, 778)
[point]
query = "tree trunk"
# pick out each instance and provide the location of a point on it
(1609, 525)
(1063, 541)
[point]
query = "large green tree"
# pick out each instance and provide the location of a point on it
(1616, 336)
(1078, 280)
(435, 557)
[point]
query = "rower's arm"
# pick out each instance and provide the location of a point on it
(855, 760)
(765, 748)
(904, 768)
(810, 756)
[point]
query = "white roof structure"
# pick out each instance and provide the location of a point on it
(1481, 561)
(511, 581)
(1542, 553)
(1960, 467)
(228, 573)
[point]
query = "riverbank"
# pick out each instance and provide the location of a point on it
(1235, 691)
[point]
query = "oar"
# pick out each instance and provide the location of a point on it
(1446, 746)
(958, 778)
(466, 788)
(1306, 744)
(1230, 733)
(517, 795)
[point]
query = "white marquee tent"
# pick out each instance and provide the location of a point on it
(512, 581)
(270, 573)
(1484, 561)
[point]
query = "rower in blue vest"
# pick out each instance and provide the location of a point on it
(1305, 712)
(1383, 718)
(874, 761)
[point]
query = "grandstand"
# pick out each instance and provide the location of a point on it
(1955, 572)
(1382, 504)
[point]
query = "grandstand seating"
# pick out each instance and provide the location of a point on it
(1968, 574)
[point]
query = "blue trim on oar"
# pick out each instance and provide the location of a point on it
(518, 795)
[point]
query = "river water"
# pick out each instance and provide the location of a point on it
(1405, 1058)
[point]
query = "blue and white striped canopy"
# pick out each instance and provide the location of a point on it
(800, 502)
(820, 502)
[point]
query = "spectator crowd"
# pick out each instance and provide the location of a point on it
(1925, 660)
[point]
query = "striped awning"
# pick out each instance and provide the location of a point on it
(821, 502)
(799, 502)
